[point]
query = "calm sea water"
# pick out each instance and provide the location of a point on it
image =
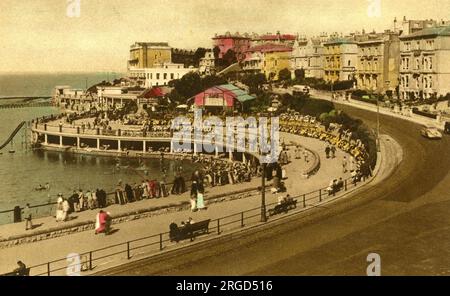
(39, 84)
(24, 170)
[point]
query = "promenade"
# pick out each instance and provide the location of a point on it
(79, 242)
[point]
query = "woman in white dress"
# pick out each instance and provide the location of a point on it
(59, 210)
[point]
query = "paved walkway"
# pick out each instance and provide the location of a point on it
(60, 247)
(383, 110)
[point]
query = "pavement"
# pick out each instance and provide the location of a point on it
(405, 115)
(80, 242)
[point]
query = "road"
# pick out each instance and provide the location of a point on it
(405, 220)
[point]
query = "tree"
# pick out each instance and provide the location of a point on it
(191, 84)
(299, 75)
(284, 75)
(216, 51)
(229, 58)
(199, 53)
(254, 81)
(188, 86)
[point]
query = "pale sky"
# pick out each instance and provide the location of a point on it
(37, 35)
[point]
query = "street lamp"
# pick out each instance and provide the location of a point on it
(263, 193)
(373, 89)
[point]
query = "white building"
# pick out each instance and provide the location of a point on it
(207, 64)
(308, 55)
(425, 64)
(160, 75)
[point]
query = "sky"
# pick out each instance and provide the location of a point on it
(39, 36)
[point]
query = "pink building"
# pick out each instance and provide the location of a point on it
(238, 43)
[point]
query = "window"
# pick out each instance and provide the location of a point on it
(349, 63)
(165, 76)
(172, 76)
(157, 76)
(417, 64)
(430, 84)
(407, 81)
(151, 75)
(430, 59)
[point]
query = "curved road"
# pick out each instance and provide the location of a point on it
(405, 219)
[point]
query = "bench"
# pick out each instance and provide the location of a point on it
(284, 207)
(188, 230)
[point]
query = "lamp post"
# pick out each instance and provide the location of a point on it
(373, 89)
(263, 193)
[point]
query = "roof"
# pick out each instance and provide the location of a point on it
(340, 41)
(154, 92)
(229, 93)
(276, 36)
(435, 31)
(269, 47)
(241, 95)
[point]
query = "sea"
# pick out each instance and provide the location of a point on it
(23, 171)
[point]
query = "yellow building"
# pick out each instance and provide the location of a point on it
(148, 54)
(340, 57)
(268, 59)
(274, 62)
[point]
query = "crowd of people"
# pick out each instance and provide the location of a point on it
(79, 201)
(335, 135)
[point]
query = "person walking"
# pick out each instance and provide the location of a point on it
(194, 193)
(333, 151)
(305, 155)
(344, 164)
(327, 151)
(66, 209)
(27, 217)
(59, 209)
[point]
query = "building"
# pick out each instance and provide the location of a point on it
(268, 59)
(308, 55)
(73, 98)
(407, 27)
(147, 54)
(425, 64)
(222, 97)
(378, 62)
(340, 58)
(278, 38)
(159, 75)
(207, 64)
(236, 42)
(110, 97)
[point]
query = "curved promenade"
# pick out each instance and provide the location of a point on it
(85, 240)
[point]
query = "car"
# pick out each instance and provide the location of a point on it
(431, 132)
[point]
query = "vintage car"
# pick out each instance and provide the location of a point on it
(431, 132)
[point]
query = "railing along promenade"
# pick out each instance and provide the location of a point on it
(155, 243)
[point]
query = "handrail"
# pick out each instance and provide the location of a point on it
(216, 222)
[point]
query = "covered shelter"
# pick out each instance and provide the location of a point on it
(226, 97)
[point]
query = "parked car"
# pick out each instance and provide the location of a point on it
(431, 132)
